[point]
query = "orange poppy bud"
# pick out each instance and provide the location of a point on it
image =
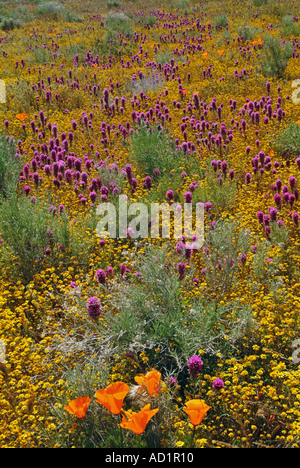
(113, 396)
(137, 422)
(196, 410)
(150, 382)
(78, 407)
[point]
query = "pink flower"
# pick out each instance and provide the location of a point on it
(100, 276)
(195, 365)
(93, 308)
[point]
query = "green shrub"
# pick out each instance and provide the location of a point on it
(8, 24)
(113, 4)
(225, 248)
(259, 3)
(289, 27)
(276, 56)
(24, 229)
(222, 21)
(33, 231)
(288, 140)
(150, 315)
(72, 17)
(150, 20)
(247, 32)
(50, 8)
(10, 166)
(163, 57)
(117, 23)
(153, 148)
(216, 189)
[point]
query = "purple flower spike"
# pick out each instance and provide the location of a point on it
(195, 365)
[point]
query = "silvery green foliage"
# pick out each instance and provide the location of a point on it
(225, 251)
(275, 56)
(10, 166)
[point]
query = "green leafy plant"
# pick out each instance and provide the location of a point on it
(25, 229)
(289, 27)
(247, 32)
(152, 148)
(222, 21)
(275, 56)
(259, 3)
(288, 140)
(225, 253)
(10, 166)
(118, 23)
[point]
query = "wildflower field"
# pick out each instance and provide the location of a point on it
(131, 341)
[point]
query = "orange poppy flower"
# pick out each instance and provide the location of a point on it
(113, 396)
(271, 153)
(137, 422)
(298, 122)
(21, 117)
(196, 410)
(184, 92)
(150, 382)
(78, 407)
(205, 54)
(220, 52)
(260, 42)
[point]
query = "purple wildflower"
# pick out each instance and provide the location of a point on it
(218, 384)
(93, 308)
(195, 365)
